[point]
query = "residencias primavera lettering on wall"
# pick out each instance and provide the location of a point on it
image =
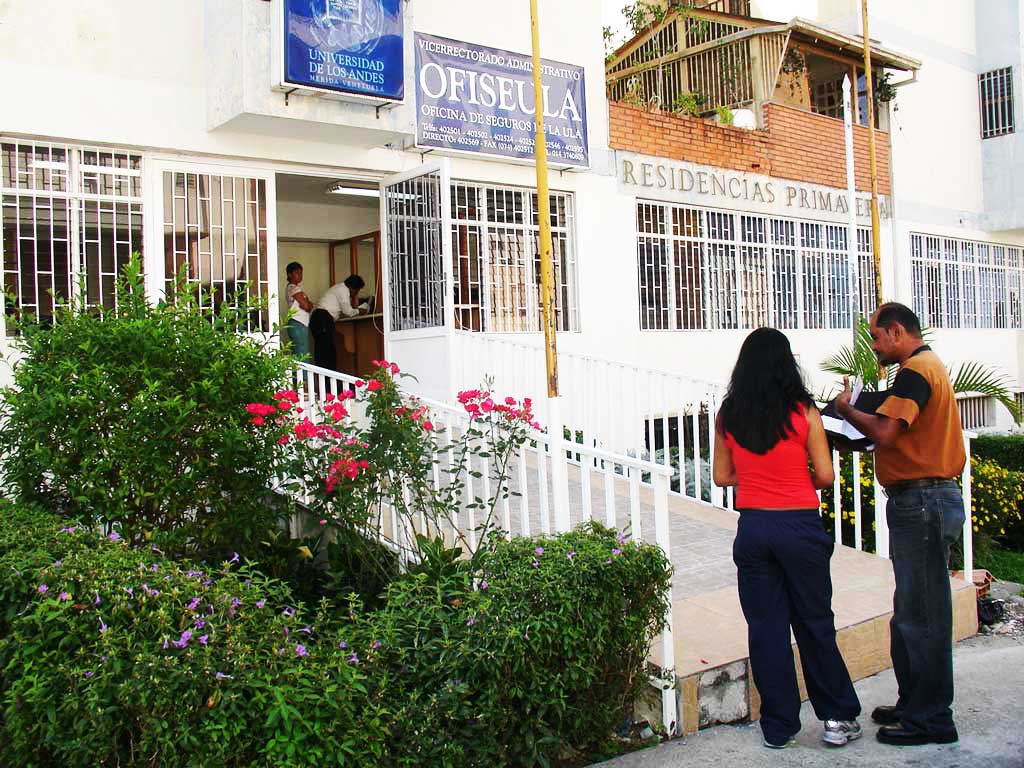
(714, 186)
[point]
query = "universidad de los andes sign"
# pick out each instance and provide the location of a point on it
(471, 98)
(345, 46)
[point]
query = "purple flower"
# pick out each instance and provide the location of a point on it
(43, 589)
(235, 602)
(234, 559)
(353, 659)
(207, 583)
(571, 554)
(89, 674)
(63, 597)
(300, 650)
(154, 567)
(199, 623)
(484, 585)
(307, 630)
(616, 552)
(204, 639)
(103, 627)
(130, 591)
(288, 612)
(193, 603)
(376, 644)
(58, 563)
(165, 644)
(68, 529)
(114, 536)
(470, 621)
(260, 603)
(222, 676)
(97, 600)
(342, 645)
(536, 563)
(182, 641)
(538, 551)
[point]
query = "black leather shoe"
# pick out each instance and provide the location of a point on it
(887, 715)
(899, 736)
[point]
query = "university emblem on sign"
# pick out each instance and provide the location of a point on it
(351, 25)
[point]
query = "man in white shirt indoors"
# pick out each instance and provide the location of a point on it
(341, 299)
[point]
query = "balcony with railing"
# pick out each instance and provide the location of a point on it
(700, 60)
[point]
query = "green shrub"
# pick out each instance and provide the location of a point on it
(530, 660)
(996, 503)
(1005, 450)
(118, 657)
(136, 417)
(535, 659)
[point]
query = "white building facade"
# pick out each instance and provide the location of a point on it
(167, 129)
(957, 161)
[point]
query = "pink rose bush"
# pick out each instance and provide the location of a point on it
(392, 464)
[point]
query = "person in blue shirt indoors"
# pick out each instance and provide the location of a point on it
(341, 299)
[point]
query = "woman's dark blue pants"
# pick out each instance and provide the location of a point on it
(782, 561)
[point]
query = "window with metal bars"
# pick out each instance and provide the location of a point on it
(713, 269)
(71, 218)
(965, 283)
(995, 92)
(215, 231)
(496, 270)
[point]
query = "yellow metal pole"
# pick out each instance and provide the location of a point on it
(876, 237)
(547, 272)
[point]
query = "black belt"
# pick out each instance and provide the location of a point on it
(907, 485)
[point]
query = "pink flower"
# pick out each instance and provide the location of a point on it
(323, 522)
(283, 440)
(360, 383)
(258, 421)
(43, 589)
(395, 369)
(63, 597)
(428, 425)
(300, 650)
(374, 385)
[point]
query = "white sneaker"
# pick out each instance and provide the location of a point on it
(838, 732)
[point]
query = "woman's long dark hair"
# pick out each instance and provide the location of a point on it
(765, 388)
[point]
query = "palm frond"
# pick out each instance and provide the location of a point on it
(859, 360)
(987, 381)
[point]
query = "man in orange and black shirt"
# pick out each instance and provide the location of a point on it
(919, 451)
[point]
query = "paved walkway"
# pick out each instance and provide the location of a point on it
(989, 672)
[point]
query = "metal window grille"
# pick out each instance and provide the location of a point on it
(215, 234)
(966, 283)
(495, 233)
(866, 299)
(72, 216)
(712, 269)
(995, 91)
(415, 253)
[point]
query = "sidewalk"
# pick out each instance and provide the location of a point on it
(988, 708)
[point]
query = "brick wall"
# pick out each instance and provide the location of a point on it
(794, 144)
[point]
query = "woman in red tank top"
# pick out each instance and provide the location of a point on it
(771, 445)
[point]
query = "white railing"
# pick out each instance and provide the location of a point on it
(639, 411)
(623, 492)
(608, 404)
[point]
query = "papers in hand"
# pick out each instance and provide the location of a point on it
(841, 427)
(843, 435)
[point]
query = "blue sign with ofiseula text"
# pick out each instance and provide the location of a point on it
(470, 98)
(348, 46)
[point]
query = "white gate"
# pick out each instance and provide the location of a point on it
(415, 229)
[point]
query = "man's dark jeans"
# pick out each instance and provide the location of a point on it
(923, 523)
